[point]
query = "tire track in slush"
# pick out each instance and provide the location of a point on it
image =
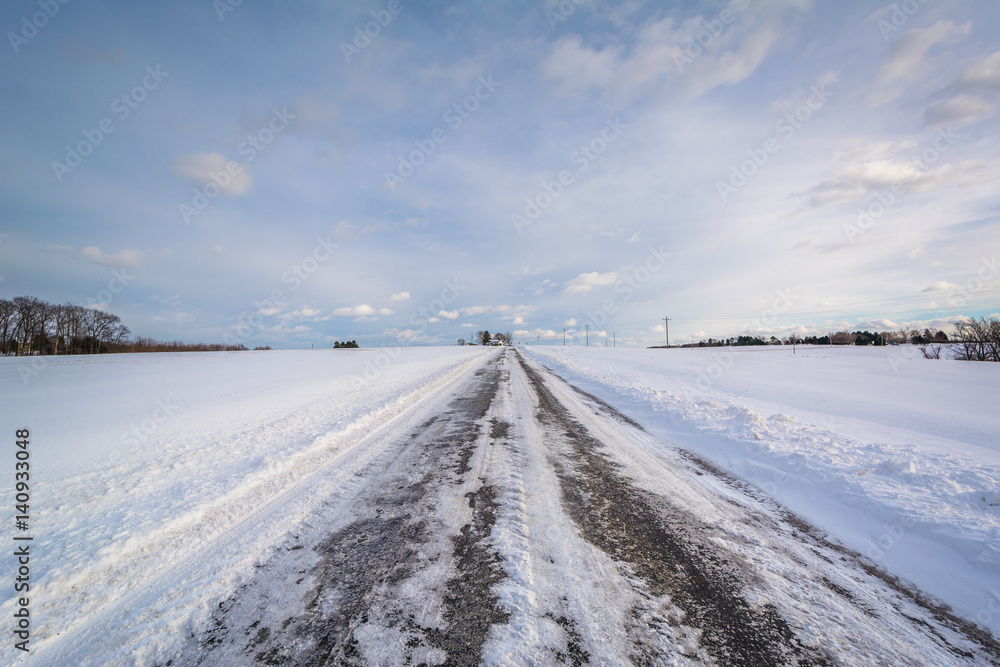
(362, 565)
(664, 547)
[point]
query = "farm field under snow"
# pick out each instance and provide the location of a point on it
(164, 484)
(137, 458)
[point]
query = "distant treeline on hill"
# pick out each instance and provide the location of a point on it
(840, 338)
(30, 326)
(974, 339)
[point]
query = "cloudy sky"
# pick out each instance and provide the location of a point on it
(298, 172)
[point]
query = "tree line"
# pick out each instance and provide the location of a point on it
(31, 326)
(974, 339)
(840, 338)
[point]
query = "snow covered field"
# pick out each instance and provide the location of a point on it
(163, 483)
(894, 455)
(136, 459)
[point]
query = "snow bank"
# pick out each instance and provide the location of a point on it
(895, 455)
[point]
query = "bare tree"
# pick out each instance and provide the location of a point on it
(461, 341)
(842, 338)
(8, 326)
(29, 312)
(978, 339)
(931, 351)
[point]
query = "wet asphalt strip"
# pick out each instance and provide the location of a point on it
(666, 547)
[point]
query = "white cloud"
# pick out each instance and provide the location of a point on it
(406, 335)
(355, 311)
(449, 314)
(973, 95)
(585, 282)
(905, 61)
(531, 335)
(174, 300)
(571, 322)
(662, 60)
(984, 75)
(400, 296)
(880, 166)
(129, 258)
(205, 168)
(961, 110)
(941, 286)
(385, 311)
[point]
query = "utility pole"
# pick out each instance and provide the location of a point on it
(614, 337)
(666, 329)
(564, 338)
(588, 335)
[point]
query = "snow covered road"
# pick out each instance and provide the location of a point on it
(508, 517)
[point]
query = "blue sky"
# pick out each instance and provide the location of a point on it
(270, 173)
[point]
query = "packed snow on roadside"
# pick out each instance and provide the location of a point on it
(137, 458)
(892, 454)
